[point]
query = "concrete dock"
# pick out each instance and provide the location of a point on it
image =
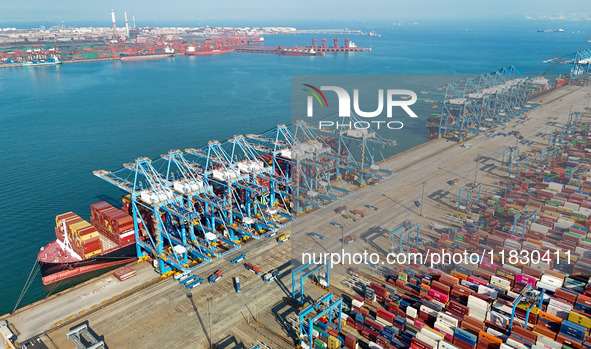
(147, 312)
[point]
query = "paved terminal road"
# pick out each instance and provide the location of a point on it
(161, 315)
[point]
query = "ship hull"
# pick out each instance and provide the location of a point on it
(132, 58)
(302, 53)
(54, 272)
(207, 52)
(28, 64)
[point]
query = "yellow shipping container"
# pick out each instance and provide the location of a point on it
(535, 242)
(580, 319)
(76, 227)
(58, 221)
(435, 332)
(551, 214)
(403, 276)
(333, 343)
(524, 306)
(88, 255)
(89, 236)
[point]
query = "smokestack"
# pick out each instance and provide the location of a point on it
(126, 25)
(114, 25)
(133, 18)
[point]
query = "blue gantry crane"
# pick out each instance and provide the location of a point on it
(472, 195)
(527, 215)
(300, 274)
(324, 306)
(405, 230)
(158, 211)
(472, 106)
(191, 206)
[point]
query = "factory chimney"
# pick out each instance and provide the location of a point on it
(114, 25)
(133, 18)
(126, 25)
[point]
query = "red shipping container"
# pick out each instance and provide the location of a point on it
(385, 315)
(92, 248)
(350, 341)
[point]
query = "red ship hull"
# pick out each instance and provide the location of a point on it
(207, 52)
(52, 272)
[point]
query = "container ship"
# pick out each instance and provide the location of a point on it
(432, 124)
(82, 247)
(52, 60)
(301, 52)
(255, 40)
(143, 56)
(192, 51)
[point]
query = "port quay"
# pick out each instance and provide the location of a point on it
(304, 236)
(156, 308)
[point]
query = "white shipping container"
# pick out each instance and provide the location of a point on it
(546, 342)
(478, 303)
(500, 282)
(512, 343)
(555, 186)
(441, 327)
(446, 345)
(428, 310)
(552, 280)
(447, 320)
(539, 228)
(428, 340)
(411, 312)
(497, 318)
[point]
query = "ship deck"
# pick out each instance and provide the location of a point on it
(140, 314)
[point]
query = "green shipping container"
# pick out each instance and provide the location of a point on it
(552, 203)
(318, 343)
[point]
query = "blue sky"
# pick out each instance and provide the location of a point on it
(221, 10)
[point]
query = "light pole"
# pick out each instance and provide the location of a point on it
(342, 240)
(210, 328)
(477, 163)
(423, 199)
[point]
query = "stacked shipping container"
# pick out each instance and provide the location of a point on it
(112, 223)
(82, 236)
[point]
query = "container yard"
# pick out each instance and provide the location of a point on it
(527, 197)
(229, 219)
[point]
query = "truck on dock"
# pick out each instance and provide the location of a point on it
(253, 268)
(181, 276)
(237, 284)
(283, 238)
(350, 216)
(372, 207)
(336, 224)
(238, 259)
(195, 283)
(215, 276)
(358, 212)
(321, 237)
(350, 238)
(340, 209)
(188, 280)
(7, 332)
(270, 275)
